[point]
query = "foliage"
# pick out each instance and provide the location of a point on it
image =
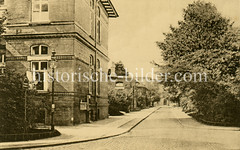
(204, 42)
(119, 69)
(12, 97)
(143, 97)
(216, 104)
(119, 100)
(2, 20)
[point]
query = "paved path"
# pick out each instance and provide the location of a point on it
(166, 129)
(115, 125)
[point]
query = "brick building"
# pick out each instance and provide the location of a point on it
(77, 30)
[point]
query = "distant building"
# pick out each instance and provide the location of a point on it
(141, 89)
(77, 30)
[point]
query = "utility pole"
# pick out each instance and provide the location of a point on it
(133, 97)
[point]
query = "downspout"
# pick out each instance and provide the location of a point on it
(95, 63)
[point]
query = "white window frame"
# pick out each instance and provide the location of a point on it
(40, 50)
(45, 74)
(40, 16)
(3, 58)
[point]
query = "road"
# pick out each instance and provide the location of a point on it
(164, 131)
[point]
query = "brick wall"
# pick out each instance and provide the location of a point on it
(65, 17)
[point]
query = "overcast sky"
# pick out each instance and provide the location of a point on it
(132, 36)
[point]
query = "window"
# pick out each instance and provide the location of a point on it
(40, 10)
(39, 68)
(2, 58)
(2, 70)
(92, 25)
(98, 83)
(1, 2)
(39, 50)
(92, 18)
(99, 12)
(2, 64)
(91, 60)
(91, 83)
(92, 4)
(98, 64)
(99, 31)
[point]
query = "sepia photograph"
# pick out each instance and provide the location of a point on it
(119, 74)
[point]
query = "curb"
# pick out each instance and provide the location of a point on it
(211, 127)
(84, 141)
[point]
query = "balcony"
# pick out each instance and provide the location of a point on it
(107, 4)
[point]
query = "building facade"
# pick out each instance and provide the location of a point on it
(77, 30)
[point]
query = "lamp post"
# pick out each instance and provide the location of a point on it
(25, 86)
(53, 66)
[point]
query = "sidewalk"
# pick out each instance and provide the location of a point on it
(187, 121)
(114, 126)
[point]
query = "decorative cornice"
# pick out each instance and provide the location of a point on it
(16, 58)
(55, 35)
(24, 58)
(39, 36)
(65, 57)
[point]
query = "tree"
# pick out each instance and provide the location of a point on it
(119, 100)
(119, 69)
(12, 104)
(204, 42)
(12, 96)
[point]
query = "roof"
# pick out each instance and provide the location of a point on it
(111, 11)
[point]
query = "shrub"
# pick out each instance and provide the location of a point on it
(12, 104)
(215, 104)
(119, 100)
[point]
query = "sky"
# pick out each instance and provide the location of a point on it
(133, 36)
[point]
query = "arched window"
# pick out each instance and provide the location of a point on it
(92, 4)
(91, 60)
(39, 50)
(99, 12)
(98, 64)
(99, 31)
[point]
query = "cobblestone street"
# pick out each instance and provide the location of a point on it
(167, 128)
